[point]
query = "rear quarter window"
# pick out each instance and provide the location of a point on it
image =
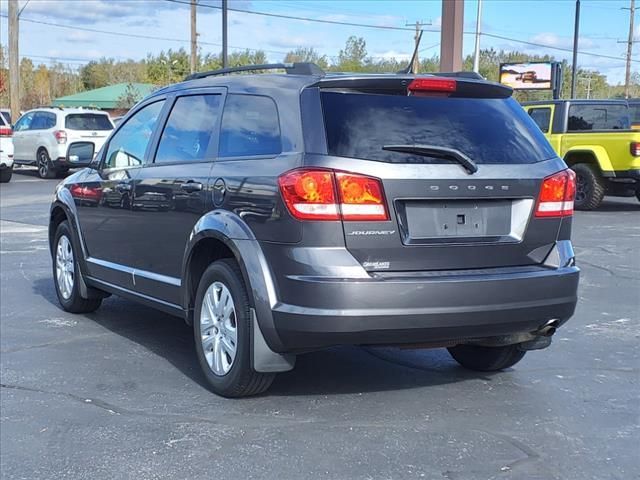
(598, 117)
(87, 121)
(490, 131)
(250, 127)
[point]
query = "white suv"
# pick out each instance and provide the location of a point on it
(41, 137)
(6, 150)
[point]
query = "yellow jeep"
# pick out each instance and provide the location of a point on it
(595, 139)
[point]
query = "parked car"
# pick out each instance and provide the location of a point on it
(41, 136)
(594, 137)
(326, 210)
(5, 113)
(6, 151)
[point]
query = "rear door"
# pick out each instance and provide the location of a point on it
(442, 216)
(171, 192)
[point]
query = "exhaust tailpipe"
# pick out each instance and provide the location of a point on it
(549, 328)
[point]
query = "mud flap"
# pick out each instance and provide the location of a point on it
(263, 359)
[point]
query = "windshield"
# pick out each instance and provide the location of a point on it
(486, 130)
(88, 121)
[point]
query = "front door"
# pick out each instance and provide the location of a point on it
(21, 135)
(104, 198)
(171, 192)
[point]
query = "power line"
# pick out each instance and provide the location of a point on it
(135, 35)
(293, 17)
(551, 46)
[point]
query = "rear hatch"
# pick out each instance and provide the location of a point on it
(461, 167)
(93, 127)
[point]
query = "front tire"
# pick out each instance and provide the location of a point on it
(590, 187)
(5, 174)
(486, 359)
(45, 168)
(222, 331)
(66, 274)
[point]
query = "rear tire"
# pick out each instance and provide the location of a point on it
(43, 163)
(486, 359)
(590, 187)
(5, 174)
(222, 331)
(66, 273)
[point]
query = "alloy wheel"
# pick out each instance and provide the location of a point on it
(582, 188)
(43, 165)
(218, 328)
(65, 267)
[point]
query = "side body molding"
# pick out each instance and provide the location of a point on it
(231, 230)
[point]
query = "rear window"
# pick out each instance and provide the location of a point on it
(542, 117)
(634, 112)
(598, 117)
(87, 121)
(489, 131)
(6, 116)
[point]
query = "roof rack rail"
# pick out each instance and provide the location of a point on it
(291, 68)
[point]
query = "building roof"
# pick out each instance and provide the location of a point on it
(105, 97)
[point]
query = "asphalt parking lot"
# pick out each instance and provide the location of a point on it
(118, 393)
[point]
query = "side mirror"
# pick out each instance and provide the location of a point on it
(80, 154)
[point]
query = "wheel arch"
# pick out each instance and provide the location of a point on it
(223, 234)
(594, 155)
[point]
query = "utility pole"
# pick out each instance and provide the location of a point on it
(588, 88)
(194, 37)
(416, 62)
(225, 62)
(14, 60)
(630, 42)
(451, 35)
(476, 54)
(576, 31)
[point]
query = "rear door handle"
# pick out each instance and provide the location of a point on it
(191, 186)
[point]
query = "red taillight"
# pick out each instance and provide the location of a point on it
(361, 198)
(312, 195)
(5, 131)
(634, 147)
(61, 136)
(447, 85)
(557, 194)
(84, 192)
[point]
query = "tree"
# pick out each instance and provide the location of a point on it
(302, 54)
(352, 57)
(129, 98)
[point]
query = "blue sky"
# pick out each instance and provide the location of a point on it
(545, 22)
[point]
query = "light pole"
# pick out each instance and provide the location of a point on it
(476, 56)
(574, 68)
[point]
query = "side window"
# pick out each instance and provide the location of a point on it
(127, 146)
(24, 123)
(542, 117)
(50, 119)
(39, 121)
(250, 126)
(598, 116)
(189, 129)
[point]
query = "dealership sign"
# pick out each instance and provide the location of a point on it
(528, 76)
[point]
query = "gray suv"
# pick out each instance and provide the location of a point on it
(280, 213)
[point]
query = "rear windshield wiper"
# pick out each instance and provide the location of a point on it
(437, 152)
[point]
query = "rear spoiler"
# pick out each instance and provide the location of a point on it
(465, 85)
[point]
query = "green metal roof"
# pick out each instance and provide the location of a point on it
(105, 97)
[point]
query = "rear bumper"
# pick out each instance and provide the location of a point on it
(424, 308)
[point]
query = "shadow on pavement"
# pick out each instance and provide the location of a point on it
(338, 370)
(611, 205)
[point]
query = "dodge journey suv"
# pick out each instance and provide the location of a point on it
(288, 212)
